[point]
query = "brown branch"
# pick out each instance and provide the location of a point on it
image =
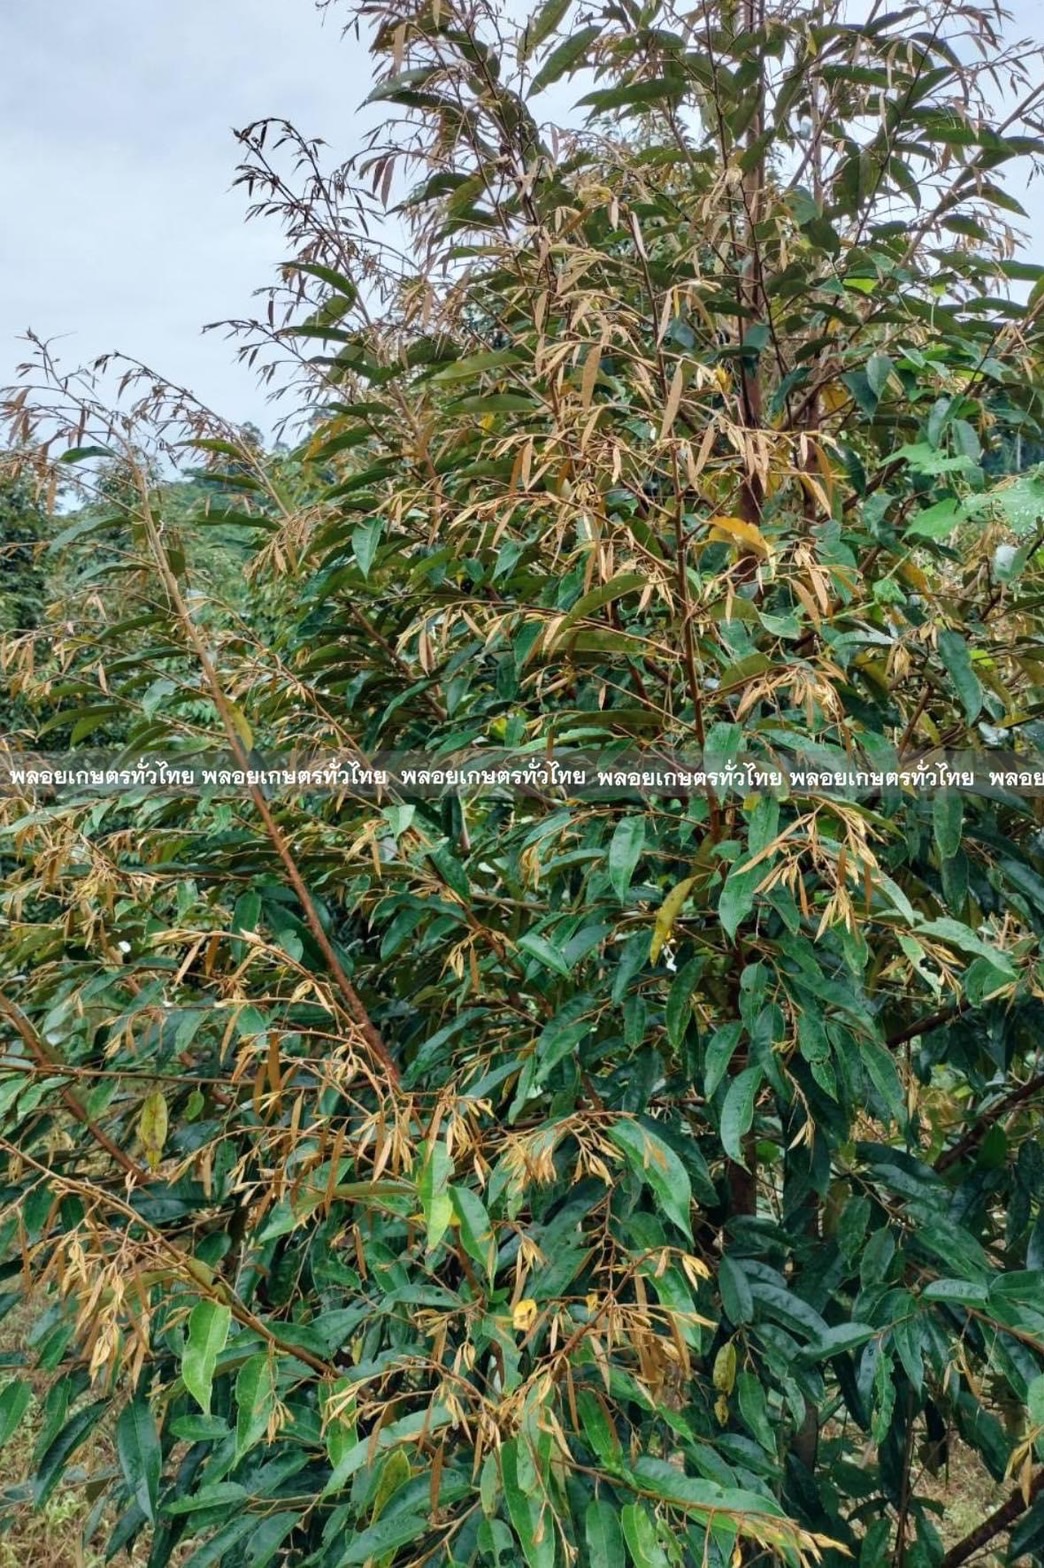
(680, 555)
(356, 1009)
(999, 1520)
(1015, 1097)
(189, 1269)
(945, 1015)
(964, 1145)
(44, 1060)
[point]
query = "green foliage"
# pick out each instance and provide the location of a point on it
(653, 1180)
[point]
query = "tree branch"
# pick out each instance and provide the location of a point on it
(999, 1520)
(965, 1144)
(41, 1054)
(356, 1009)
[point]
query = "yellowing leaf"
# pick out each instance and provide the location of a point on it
(523, 1315)
(911, 574)
(724, 1373)
(738, 532)
(592, 365)
(666, 915)
(152, 1128)
(242, 728)
(396, 1473)
(673, 401)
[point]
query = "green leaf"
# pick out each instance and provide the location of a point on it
(214, 1551)
(659, 1167)
(908, 1340)
(640, 1534)
(541, 25)
(737, 1112)
(924, 458)
(1026, 1541)
(606, 640)
(737, 895)
(52, 1465)
(496, 403)
(837, 1341)
(337, 280)
(878, 372)
(207, 1332)
(268, 1538)
(864, 395)
(365, 540)
(255, 1401)
(218, 1495)
(384, 1537)
(540, 948)
(605, 593)
(671, 1484)
(566, 57)
(635, 95)
(787, 1307)
(754, 1409)
(433, 1191)
(962, 937)
(476, 1232)
(953, 651)
(80, 454)
(473, 365)
(982, 979)
(598, 1428)
(199, 1429)
(966, 1292)
(1025, 880)
(1035, 1401)
(603, 1535)
(947, 822)
(736, 1296)
(406, 1429)
(721, 1048)
(1020, 502)
(884, 1398)
(14, 1402)
(529, 1512)
(140, 1455)
(884, 1075)
(935, 522)
(678, 1011)
(625, 849)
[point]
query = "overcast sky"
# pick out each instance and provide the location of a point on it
(117, 156)
(121, 229)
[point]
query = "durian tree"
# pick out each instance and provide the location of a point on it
(444, 1179)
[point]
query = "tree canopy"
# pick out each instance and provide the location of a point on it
(651, 1178)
